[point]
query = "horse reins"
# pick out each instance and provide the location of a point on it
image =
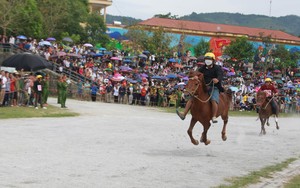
(203, 101)
(268, 103)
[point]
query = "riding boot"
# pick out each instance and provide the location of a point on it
(186, 110)
(273, 107)
(214, 111)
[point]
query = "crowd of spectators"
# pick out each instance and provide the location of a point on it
(147, 79)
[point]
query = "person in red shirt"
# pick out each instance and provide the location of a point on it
(271, 91)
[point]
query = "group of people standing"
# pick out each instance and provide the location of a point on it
(20, 89)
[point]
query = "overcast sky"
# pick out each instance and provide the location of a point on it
(144, 9)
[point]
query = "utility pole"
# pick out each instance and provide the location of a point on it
(270, 12)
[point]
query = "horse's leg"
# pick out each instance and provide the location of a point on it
(276, 121)
(263, 121)
(204, 133)
(268, 124)
(223, 133)
(190, 131)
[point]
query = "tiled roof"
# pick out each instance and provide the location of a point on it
(217, 28)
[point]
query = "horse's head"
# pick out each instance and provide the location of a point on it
(196, 80)
(261, 97)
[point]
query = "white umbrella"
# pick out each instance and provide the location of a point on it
(88, 45)
(45, 43)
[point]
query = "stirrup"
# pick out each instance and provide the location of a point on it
(180, 115)
(214, 120)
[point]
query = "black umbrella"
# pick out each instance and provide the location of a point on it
(27, 61)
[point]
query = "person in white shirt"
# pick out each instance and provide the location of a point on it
(12, 40)
(3, 86)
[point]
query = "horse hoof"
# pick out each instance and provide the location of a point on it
(264, 132)
(224, 137)
(201, 140)
(277, 127)
(207, 142)
(195, 142)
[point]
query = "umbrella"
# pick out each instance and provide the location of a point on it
(107, 69)
(192, 58)
(185, 78)
(61, 54)
(50, 39)
(144, 75)
(146, 52)
(277, 71)
(98, 55)
(235, 89)
(88, 45)
(171, 76)
(231, 74)
(143, 56)
(74, 55)
(279, 81)
(297, 75)
(172, 60)
(132, 81)
(225, 68)
(102, 49)
(26, 61)
(67, 39)
(156, 77)
(117, 79)
(115, 58)
(22, 37)
(45, 43)
(127, 61)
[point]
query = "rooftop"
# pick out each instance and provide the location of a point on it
(213, 29)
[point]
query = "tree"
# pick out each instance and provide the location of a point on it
(166, 16)
(138, 37)
(201, 48)
(240, 49)
(96, 30)
(284, 58)
(158, 42)
(9, 13)
(28, 20)
(54, 12)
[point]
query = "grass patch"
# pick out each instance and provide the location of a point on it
(254, 177)
(293, 183)
(26, 112)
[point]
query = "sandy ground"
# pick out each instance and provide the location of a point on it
(113, 145)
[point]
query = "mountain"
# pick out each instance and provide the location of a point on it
(289, 24)
(123, 19)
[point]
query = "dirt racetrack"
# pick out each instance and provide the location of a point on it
(126, 146)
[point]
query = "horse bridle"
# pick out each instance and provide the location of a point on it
(195, 96)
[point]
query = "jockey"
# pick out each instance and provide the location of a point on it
(213, 76)
(271, 91)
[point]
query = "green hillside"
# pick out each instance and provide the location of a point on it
(289, 24)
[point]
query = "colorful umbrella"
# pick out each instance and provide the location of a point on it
(50, 39)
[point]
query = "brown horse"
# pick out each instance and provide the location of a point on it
(201, 109)
(265, 111)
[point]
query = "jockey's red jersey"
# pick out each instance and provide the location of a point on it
(269, 89)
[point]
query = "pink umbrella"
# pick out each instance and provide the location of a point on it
(115, 58)
(61, 54)
(117, 79)
(277, 71)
